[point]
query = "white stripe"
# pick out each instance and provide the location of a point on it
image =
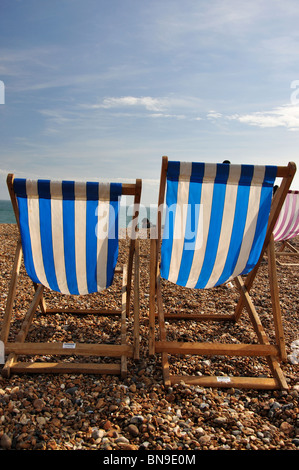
(227, 224)
(206, 206)
(104, 192)
(279, 229)
(80, 237)
(284, 212)
(294, 230)
(102, 244)
(57, 236)
(181, 210)
(34, 229)
(251, 219)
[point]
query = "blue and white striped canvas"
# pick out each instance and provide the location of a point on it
(69, 233)
(216, 221)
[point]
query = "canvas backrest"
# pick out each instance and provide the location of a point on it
(215, 222)
(287, 225)
(69, 233)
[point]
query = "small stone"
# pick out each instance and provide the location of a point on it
(122, 439)
(220, 420)
(204, 439)
(133, 430)
(286, 428)
(107, 425)
(98, 433)
(41, 420)
(125, 446)
(5, 442)
(138, 419)
(38, 404)
(71, 390)
(55, 422)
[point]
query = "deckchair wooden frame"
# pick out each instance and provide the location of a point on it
(123, 351)
(274, 354)
(292, 255)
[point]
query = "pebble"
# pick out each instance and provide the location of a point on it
(90, 412)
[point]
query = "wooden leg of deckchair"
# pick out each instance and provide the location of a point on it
(42, 303)
(275, 301)
(21, 336)
(152, 297)
(261, 334)
(162, 330)
(11, 293)
(136, 329)
(123, 366)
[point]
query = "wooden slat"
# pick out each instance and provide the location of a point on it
(152, 296)
(69, 349)
(199, 316)
(64, 368)
(221, 349)
(123, 332)
(136, 305)
(73, 311)
(287, 253)
(259, 383)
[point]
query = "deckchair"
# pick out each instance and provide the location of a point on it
(69, 239)
(218, 223)
(286, 228)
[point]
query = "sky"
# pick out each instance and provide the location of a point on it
(102, 89)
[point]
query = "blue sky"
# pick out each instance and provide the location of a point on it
(103, 88)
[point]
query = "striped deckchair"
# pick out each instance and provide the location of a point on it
(218, 223)
(69, 240)
(286, 228)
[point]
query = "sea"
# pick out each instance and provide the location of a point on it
(7, 215)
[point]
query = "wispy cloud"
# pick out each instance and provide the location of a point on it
(147, 102)
(281, 116)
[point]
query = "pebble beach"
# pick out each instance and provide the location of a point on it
(90, 412)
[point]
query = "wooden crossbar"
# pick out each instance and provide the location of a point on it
(219, 349)
(69, 349)
(199, 316)
(64, 368)
(257, 383)
(74, 311)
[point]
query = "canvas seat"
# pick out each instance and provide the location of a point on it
(218, 223)
(287, 228)
(70, 239)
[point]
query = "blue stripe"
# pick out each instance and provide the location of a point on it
(19, 185)
(20, 190)
(68, 211)
(167, 242)
(45, 220)
(115, 191)
(239, 223)
(263, 216)
(92, 193)
(215, 225)
(195, 188)
(173, 172)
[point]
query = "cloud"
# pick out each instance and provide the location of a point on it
(147, 102)
(281, 116)
(214, 115)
